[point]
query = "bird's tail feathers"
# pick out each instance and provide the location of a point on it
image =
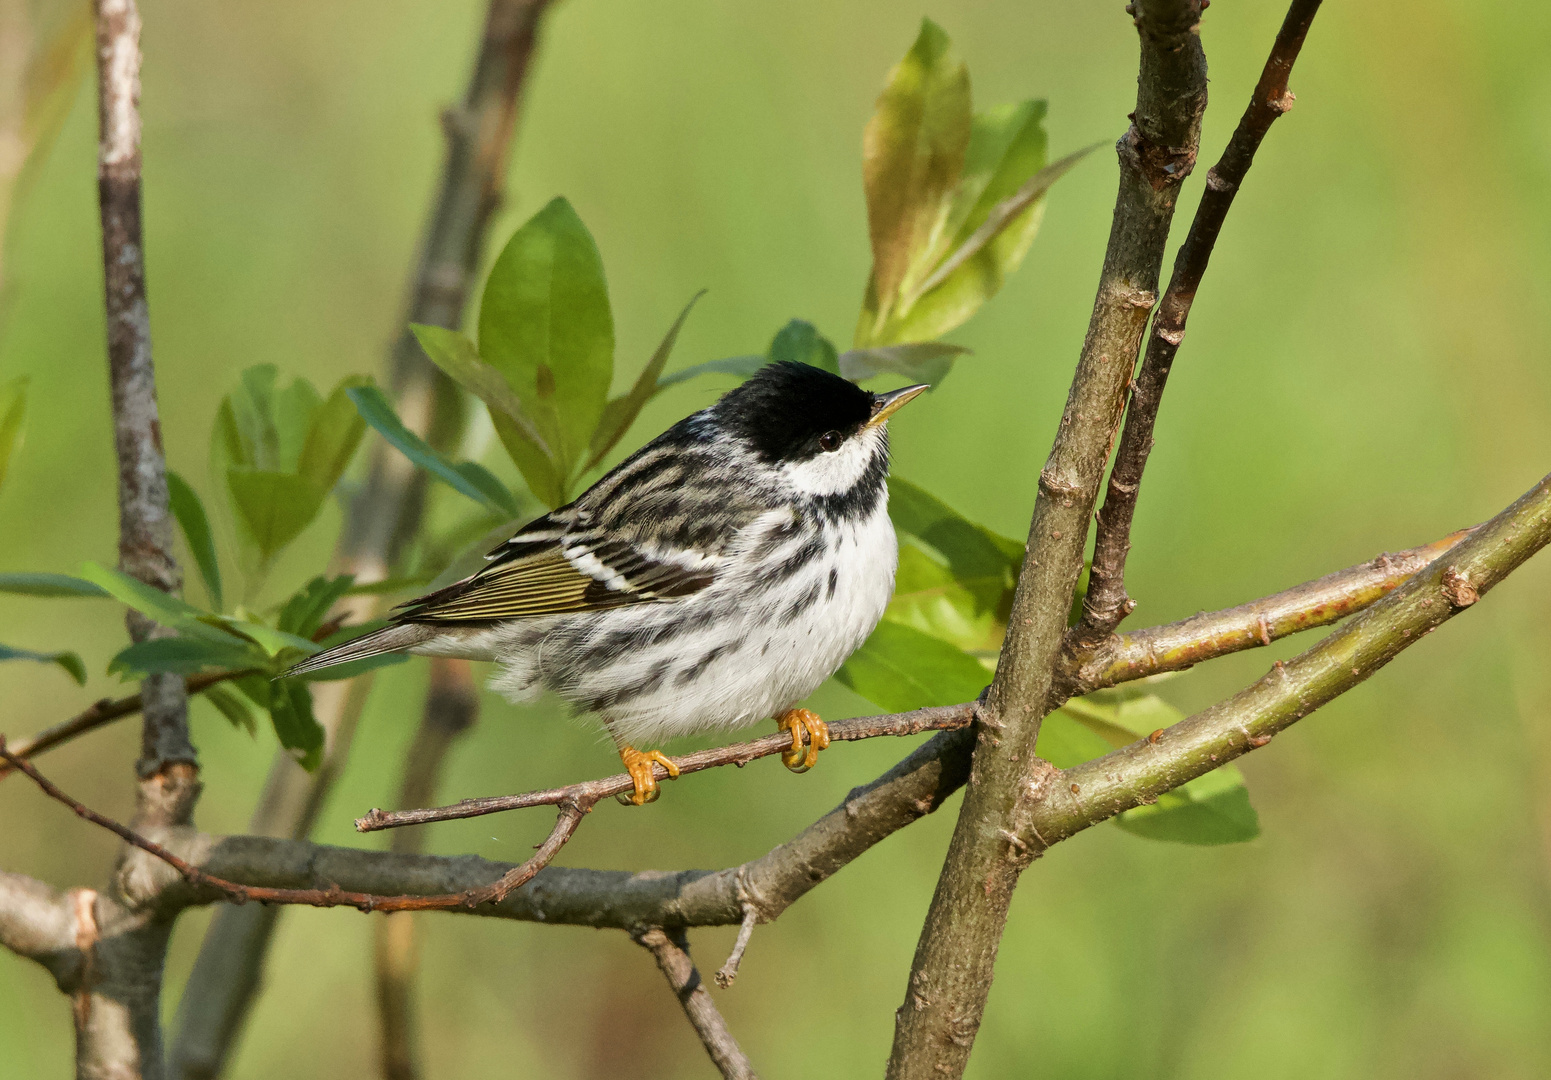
(394, 638)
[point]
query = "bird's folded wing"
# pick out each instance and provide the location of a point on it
(561, 577)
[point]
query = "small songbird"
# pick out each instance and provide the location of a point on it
(714, 578)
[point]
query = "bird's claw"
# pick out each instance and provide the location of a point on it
(638, 763)
(801, 722)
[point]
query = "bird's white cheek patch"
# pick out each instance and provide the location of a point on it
(830, 474)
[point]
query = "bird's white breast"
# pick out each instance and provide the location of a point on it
(755, 643)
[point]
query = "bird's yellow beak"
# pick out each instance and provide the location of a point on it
(886, 405)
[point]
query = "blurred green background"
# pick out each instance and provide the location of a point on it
(1365, 370)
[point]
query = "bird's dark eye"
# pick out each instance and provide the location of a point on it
(830, 441)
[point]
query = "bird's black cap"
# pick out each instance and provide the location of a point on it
(785, 408)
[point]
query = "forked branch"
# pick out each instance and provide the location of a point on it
(1106, 603)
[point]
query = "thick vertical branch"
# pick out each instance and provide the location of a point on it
(451, 708)
(479, 131)
(952, 971)
(671, 951)
(145, 523)
(116, 1002)
(1106, 603)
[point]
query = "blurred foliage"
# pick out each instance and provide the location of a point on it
(1391, 920)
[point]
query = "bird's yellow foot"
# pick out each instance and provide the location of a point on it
(638, 763)
(801, 722)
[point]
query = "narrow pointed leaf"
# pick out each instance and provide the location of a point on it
(69, 662)
(377, 412)
(998, 219)
(921, 361)
(183, 656)
(290, 709)
(972, 550)
(741, 366)
(621, 412)
(154, 604)
(190, 512)
(234, 705)
(28, 583)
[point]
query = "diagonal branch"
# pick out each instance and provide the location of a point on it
(939, 718)
(671, 951)
(1106, 603)
(1139, 773)
(1179, 645)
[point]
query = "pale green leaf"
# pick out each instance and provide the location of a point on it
(154, 604)
(919, 362)
(304, 611)
(333, 435)
(973, 551)
(455, 354)
(273, 507)
(545, 324)
(69, 662)
(912, 156)
(900, 668)
(1211, 809)
(190, 512)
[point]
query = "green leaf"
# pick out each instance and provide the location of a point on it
(290, 709)
(190, 512)
(455, 354)
(621, 412)
(919, 362)
(273, 507)
(305, 610)
(545, 324)
(13, 414)
(900, 668)
(183, 656)
(164, 608)
(1065, 742)
(387, 586)
(800, 342)
(34, 584)
(295, 407)
(495, 492)
(966, 612)
(333, 435)
(973, 551)
(974, 272)
(1211, 809)
(912, 156)
(247, 420)
(234, 705)
(376, 411)
(272, 641)
(741, 366)
(70, 662)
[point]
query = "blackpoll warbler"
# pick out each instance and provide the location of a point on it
(716, 577)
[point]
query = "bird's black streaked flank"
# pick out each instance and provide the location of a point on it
(714, 578)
